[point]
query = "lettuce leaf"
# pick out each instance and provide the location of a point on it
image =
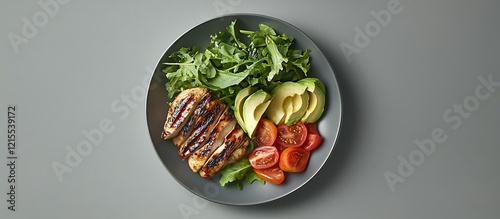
(238, 172)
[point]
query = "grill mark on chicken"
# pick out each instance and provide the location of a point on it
(181, 110)
(188, 127)
(215, 138)
(217, 131)
(206, 121)
(218, 159)
(179, 107)
(205, 130)
(174, 120)
(185, 131)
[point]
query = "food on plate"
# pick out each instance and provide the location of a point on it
(180, 111)
(294, 159)
(239, 172)
(312, 141)
(209, 136)
(244, 108)
(266, 132)
(263, 157)
(229, 64)
(218, 159)
(273, 175)
(238, 104)
(316, 92)
(289, 103)
(207, 116)
(292, 135)
(225, 124)
(253, 109)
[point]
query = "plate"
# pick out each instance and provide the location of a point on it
(256, 193)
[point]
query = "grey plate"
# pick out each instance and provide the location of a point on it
(329, 124)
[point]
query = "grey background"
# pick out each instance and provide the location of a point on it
(74, 72)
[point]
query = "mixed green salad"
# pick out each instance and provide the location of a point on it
(229, 64)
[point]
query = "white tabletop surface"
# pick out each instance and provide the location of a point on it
(428, 75)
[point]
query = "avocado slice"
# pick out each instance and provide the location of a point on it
(300, 104)
(288, 105)
(316, 91)
(279, 110)
(238, 104)
(253, 109)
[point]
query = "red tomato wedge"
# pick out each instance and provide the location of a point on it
(292, 135)
(312, 142)
(294, 159)
(273, 174)
(265, 133)
(263, 157)
(312, 128)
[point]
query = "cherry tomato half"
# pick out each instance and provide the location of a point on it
(294, 159)
(263, 157)
(312, 128)
(273, 174)
(312, 142)
(292, 136)
(266, 132)
(279, 147)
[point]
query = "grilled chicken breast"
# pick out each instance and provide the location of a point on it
(187, 129)
(208, 116)
(180, 111)
(225, 124)
(220, 156)
(205, 130)
(239, 152)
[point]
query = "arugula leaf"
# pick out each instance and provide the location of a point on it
(182, 74)
(267, 30)
(231, 31)
(276, 58)
(299, 60)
